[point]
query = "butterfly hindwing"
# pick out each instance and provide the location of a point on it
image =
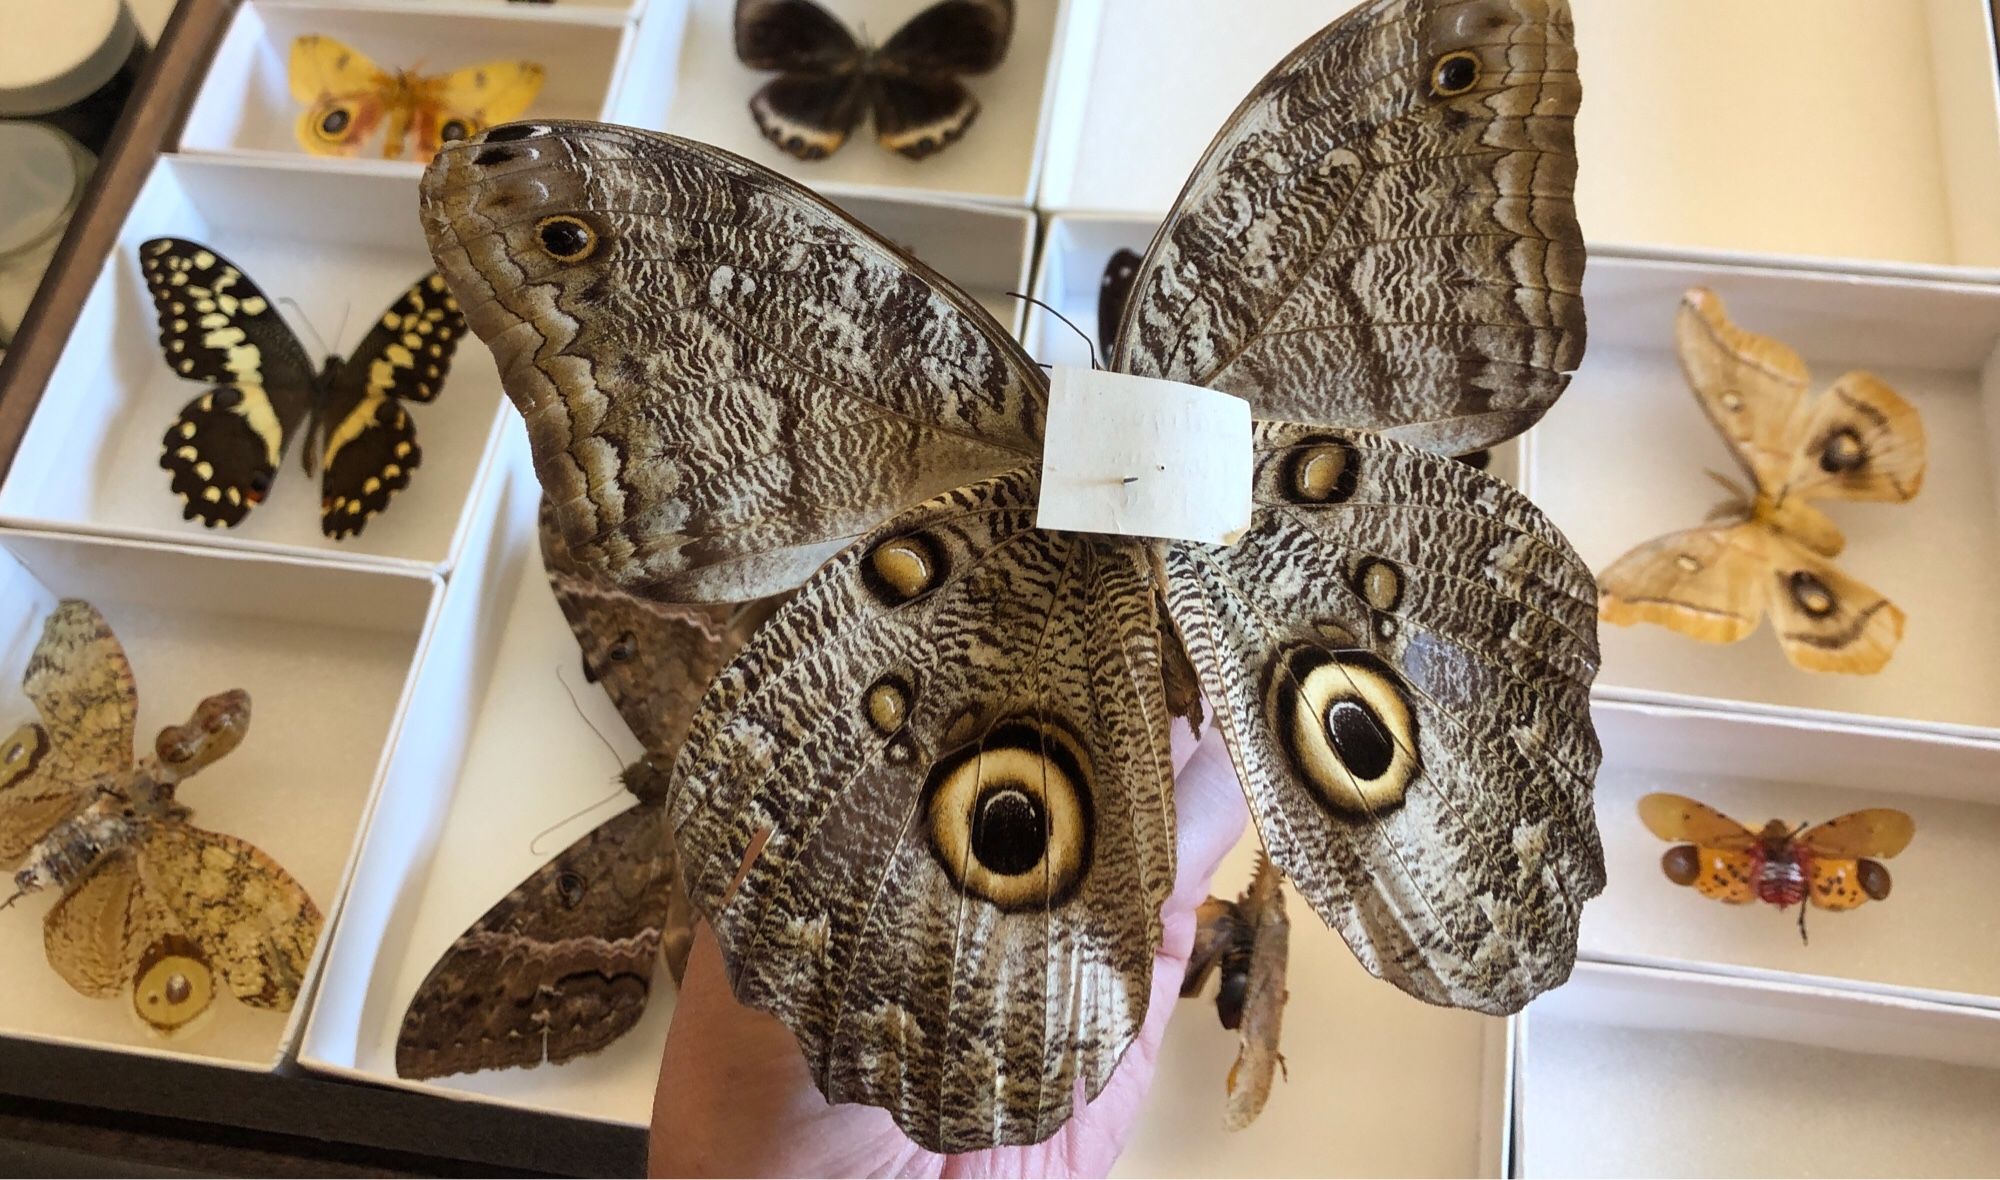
(250, 916)
(371, 446)
(560, 967)
(689, 453)
(1420, 255)
(944, 873)
(1826, 621)
(1859, 440)
(1399, 652)
(464, 102)
(920, 108)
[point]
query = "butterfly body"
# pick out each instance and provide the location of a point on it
(928, 810)
(1770, 550)
(1246, 944)
(1834, 865)
(151, 904)
(225, 449)
(907, 85)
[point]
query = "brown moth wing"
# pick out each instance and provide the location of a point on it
(32, 800)
(1413, 265)
(1749, 385)
(254, 921)
(1860, 440)
(560, 967)
(1399, 653)
(85, 935)
(1826, 621)
(1249, 1083)
(728, 378)
(81, 683)
(928, 813)
(1218, 928)
(1709, 583)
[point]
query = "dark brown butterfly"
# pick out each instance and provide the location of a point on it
(826, 77)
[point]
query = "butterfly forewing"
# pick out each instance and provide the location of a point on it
(929, 815)
(1749, 385)
(725, 378)
(81, 684)
(1400, 653)
(1383, 234)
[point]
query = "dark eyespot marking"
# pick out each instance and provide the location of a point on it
(335, 121)
(510, 132)
(623, 649)
(1322, 471)
(1842, 452)
(1812, 595)
(1010, 815)
(566, 238)
(901, 569)
(455, 129)
(1346, 722)
(570, 890)
(1681, 864)
(1455, 73)
(1874, 878)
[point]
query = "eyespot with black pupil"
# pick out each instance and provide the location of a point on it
(453, 129)
(1455, 73)
(1345, 721)
(566, 237)
(1010, 817)
(570, 889)
(623, 649)
(1842, 452)
(1811, 594)
(335, 122)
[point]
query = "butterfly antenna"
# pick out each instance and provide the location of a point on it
(1080, 333)
(292, 303)
(534, 845)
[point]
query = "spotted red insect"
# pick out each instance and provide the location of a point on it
(1831, 864)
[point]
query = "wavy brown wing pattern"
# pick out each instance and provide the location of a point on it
(1383, 234)
(725, 378)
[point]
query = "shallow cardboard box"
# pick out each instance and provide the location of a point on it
(332, 250)
(1069, 277)
(1829, 128)
(512, 756)
(324, 651)
(1635, 1072)
(1622, 458)
(997, 160)
(1927, 940)
(245, 105)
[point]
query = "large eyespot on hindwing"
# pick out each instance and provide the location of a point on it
(902, 569)
(332, 124)
(1842, 452)
(1009, 816)
(1454, 73)
(174, 983)
(1345, 721)
(1320, 471)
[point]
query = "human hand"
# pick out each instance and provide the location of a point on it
(735, 1097)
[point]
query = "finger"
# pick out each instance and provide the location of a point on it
(1210, 816)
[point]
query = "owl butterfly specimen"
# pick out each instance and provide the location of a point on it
(563, 965)
(1780, 864)
(827, 79)
(1246, 942)
(928, 809)
(1771, 549)
(217, 328)
(150, 903)
(347, 97)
